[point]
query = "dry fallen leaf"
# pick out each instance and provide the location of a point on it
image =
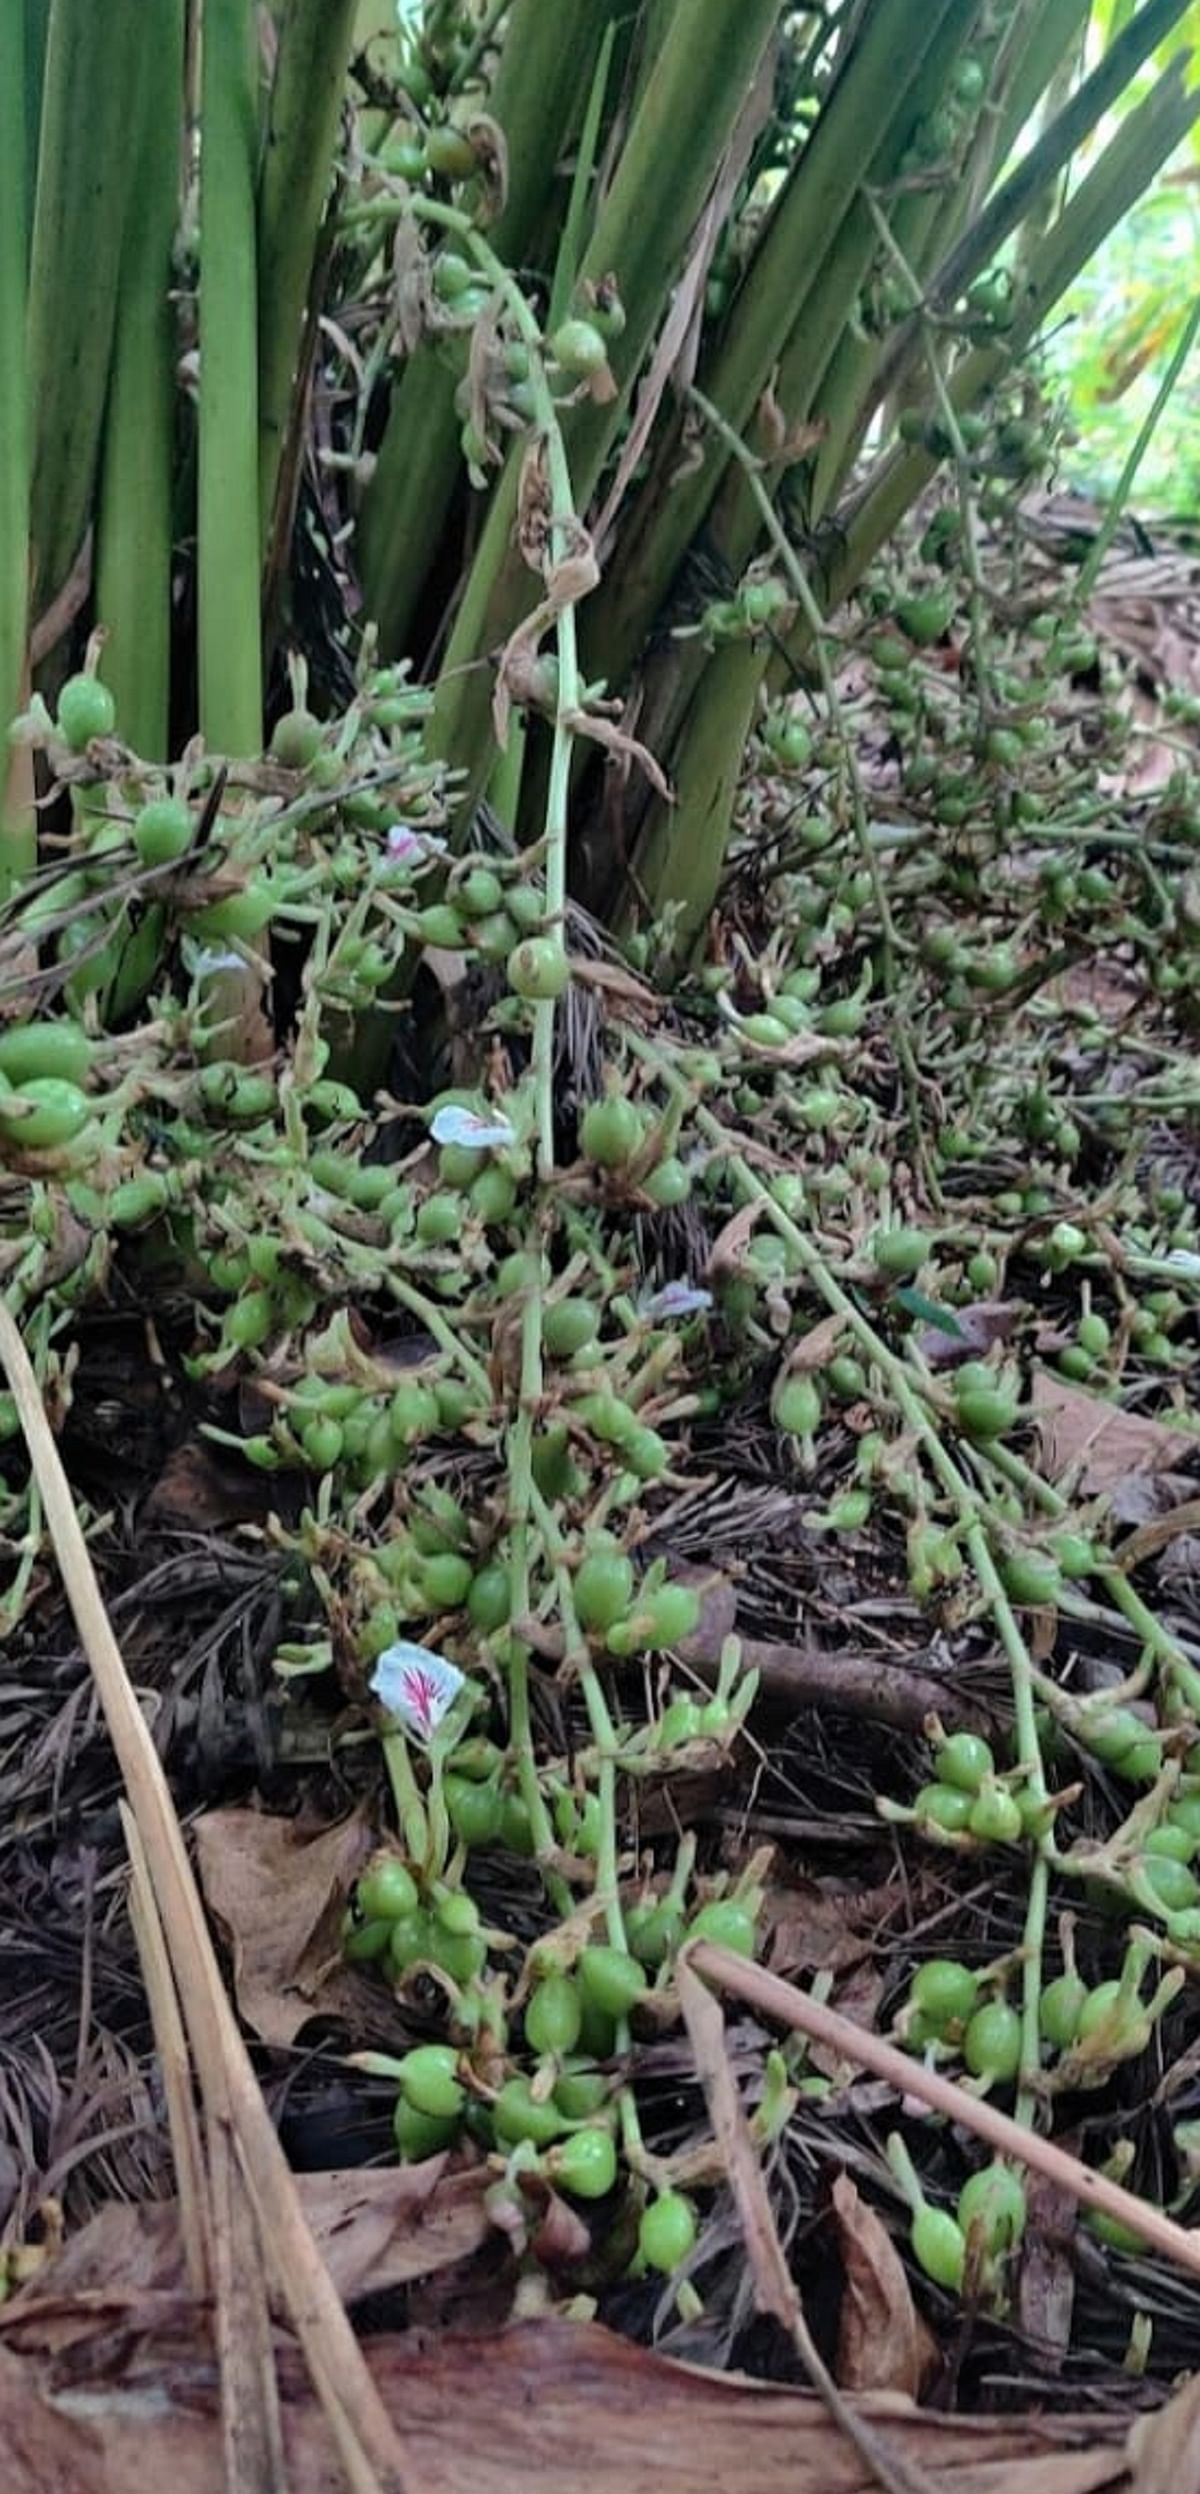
(883, 2344)
(809, 1928)
(279, 1894)
(530, 2410)
(377, 2228)
(728, 1251)
(1097, 1442)
(718, 1611)
(201, 1488)
(981, 1324)
(1164, 2449)
(1046, 2282)
(1178, 1522)
(815, 1348)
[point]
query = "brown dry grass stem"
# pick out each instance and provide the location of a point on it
(774, 1998)
(258, 2179)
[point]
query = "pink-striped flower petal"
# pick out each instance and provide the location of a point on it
(489, 1133)
(416, 1686)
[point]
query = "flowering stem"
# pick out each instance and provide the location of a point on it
(410, 1808)
(971, 1507)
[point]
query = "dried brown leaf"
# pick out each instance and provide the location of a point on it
(1147, 1495)
(517, 675)
(575, 574)
(203, 1489)
(484, 344)
(1159, 1534)
(816, 1348)
(678, 347)
(279, 1894)
(986, 1321)
(512, 2412)
(1101, 1445)
(380, 2229)
(675, 350)
(618, 985)
(615, 740)
(718, 1611)
(1164, 2449)
(782, 447)
(376, 2229)
(571, 578)
(815, 1930)
(728, 1249)
(882, 2342)
(410, 284)
(1046, 2282)
(491, 153)
(533, 505)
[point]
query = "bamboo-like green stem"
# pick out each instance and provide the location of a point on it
(1038, 36)
(698, 84)
(575, 221)
(37, 26)
(800, 285)
(682, 852)
(1118, 502)
(547, 56)
(303, 119)
(135, 515)
(228, 527)
(84, 180)
(406, 505)
(18, 843)
(1128, 164)
(1049, 39)
(793, 571)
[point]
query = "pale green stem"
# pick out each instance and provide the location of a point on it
(18, 836)
(971, 1507)
(135, 516)
(303, 121)
(85, 178)
(228, 525)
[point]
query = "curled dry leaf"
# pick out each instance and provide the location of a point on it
(279, 1895)
(533, 505)
(411, 296)
(1046, 2280)
(728, 1251)
(1178, 1522)
(491, 158)
(883, 2344)
(571, 578)
(816, 1348)
(1095, 1441)
(616, 741)
(484, 346)
(376, 2229)
(718, 1611)
(202, 1487)
(1164, 2449)
(981, 1324)
(622, 992)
